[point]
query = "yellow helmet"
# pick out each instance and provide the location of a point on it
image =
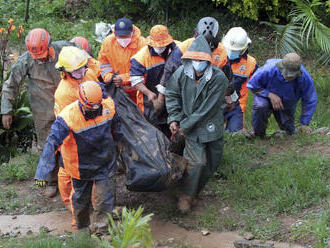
(71, 58)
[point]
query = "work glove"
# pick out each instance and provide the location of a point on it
(41, 183)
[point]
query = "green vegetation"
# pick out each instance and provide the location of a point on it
(259, 182)
(132, 230)
(46, 241)
(307, 29)
(256, 9)
(19, 168)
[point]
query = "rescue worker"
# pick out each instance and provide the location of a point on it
(86, 130)
(147, 68)
(38, 66)
(195, 100)
(73, 63)
(209, 28)
(236, 43)
(116, 51)
(83, 43)
(94, 66)
(277, 87)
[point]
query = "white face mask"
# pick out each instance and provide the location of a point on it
(124, 42)
(159, 50)
(199, 65)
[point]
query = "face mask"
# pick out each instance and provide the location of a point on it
(199, 65)
(90, 114)
(79, 73)
(124, 42)
(159, 50)
(232, 55)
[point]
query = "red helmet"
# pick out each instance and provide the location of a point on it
(90, 94)
(37, 42)
(83, 43)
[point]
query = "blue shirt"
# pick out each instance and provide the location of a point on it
(268, 78)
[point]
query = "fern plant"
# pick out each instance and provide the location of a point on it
(305, 28)
(132, 230)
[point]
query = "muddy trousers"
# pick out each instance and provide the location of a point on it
(104, 194)
(42, 128)
(262, 109)
(65, 186)
(204, 159)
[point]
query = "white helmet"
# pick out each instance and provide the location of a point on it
(236, 39)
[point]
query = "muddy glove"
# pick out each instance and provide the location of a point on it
(41, 183)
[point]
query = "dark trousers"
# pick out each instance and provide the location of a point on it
(204, 159)
(234, 119)
(262, 109)
(103, 204)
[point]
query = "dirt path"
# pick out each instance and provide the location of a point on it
(59, 223)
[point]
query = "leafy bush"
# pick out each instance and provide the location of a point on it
(132, 230)
(258, 9)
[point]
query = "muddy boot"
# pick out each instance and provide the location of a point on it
(99, 228)
(184, 203)
(249, 134)
(51, 191)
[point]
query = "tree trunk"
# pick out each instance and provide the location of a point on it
(27, 10)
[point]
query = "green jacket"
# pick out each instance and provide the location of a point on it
(197, 105)
(42, 83)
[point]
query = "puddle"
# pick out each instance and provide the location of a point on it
(60, 223)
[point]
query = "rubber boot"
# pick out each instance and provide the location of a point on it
(51, 191)
(184, 203)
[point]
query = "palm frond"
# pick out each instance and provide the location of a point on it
(313, 30)
(287, 37)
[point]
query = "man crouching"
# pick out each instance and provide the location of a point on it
(86, 130)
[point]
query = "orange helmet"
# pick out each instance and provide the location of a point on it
(90, 94)
(83, 43)
(37, 42)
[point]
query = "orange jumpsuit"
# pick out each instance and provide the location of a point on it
(66, 93)
(116, 59)
(89, 155)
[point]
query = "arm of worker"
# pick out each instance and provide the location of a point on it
(106, 66)
(309, 98)
(137, 73)
(209, 106)
(11, 86)
(59, 131)
(257, 84)
(173, 98)
(145, 91)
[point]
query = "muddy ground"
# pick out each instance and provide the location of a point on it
(33, 212)
(24, 209)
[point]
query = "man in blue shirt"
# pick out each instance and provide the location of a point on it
(277, 87)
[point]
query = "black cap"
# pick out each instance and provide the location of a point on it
(123, 26)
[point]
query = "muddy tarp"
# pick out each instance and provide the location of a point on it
(144, 150)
